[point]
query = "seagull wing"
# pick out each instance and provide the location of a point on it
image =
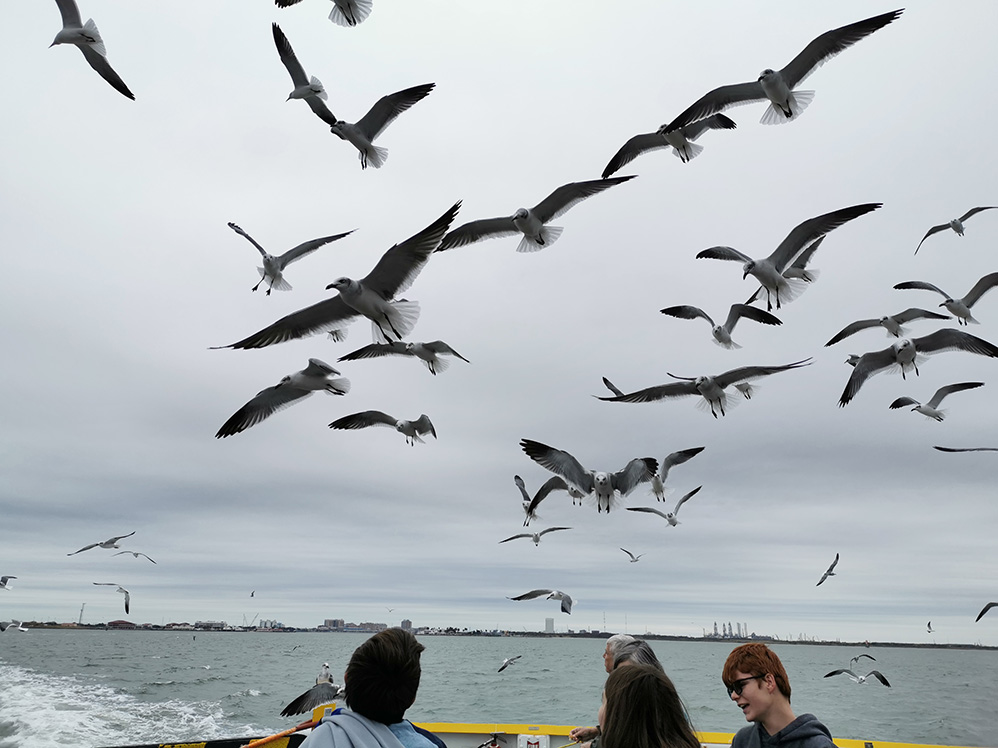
(949, 389)
(921, 285)
(829, 44)
(737, 311)
(637, 471)
(364, 419)
(70, 13)
(950, 339)
(515, 537)
(723, 253)
(531, 595)
(845, 670)
(128, 598)
(716, 101)
(317, 695)
(319, 368)
(633, 557)
(632, 149)
(568, 195)
(552, 529)
(649, 509)
(913, 313)
(554, 483)
(249, 238)
(99, 63)
(659, 392)
(868, 365)
(285, 4)
(686, 498)
(306, 248)
(377, 350)
(612, 387)
(901, 402)
(387, 108)
(694, 130)
(852, 329)
(308, 321)
(560, 462)
(84, 548)
(424, 426)
(980, 288)
(265, 404)
(299, 77)
(677, 458)
(566, 603)
(975, 211)
(930, 232)
(879, 676)
(984, 610)
(439, 346)
(967, 449)
(807, 231)
(685, 311)
(747, 373)
(807, 255)
(476, 231)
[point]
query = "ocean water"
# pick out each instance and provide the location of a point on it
(107, 688)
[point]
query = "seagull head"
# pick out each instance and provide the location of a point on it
(521, 213)
(853, 359)
(767, 73)
(341, 284)
(747, 268)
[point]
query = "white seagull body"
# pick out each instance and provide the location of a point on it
(109, 543)
(273, 265)
(88, 40)
(372, 296)
(120, 589)
(15, 626)
(907, 353)
(4, 582)
(892, 323)
(828, 572)
(931, 409)
(306, 87)
(670, 461)
(769, 271)
(605, 487)
(135, 554)
(429, 353)
(680, 140)
(530, 223)
(566, 601)
(777, 86)
(722, 333)
(412, 430)
(710, 388)
(507, 662)
(318, 376)
(323, 692)
(860, 678)
(344, 12)
(535, 536)
(959, 308)
(956, 224)
(670, 517)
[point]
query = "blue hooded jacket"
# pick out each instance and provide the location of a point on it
(804, 732)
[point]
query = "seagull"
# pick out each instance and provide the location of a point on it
(605, 486)
(984, 610)
(960, 308)
(371, 296)
(323, 692)
(777, 85)
(3, 582)
(634, 559)
(859, 678)
(798, 269)
(857, 658)
(892, 323)
(535, 536)
(306, 87)
(531, 223)
(273, 267)
(429, 353)
(566, 601)
(88, 40)
(554, 483)
(769, 271)
(956, 224)
(907, 353)
(16, 626)
(710, 388)
(670, 516)
(670, 461)
(135, 554)
(967, 449)
(929, 629)
(110, 543)
(680, 140)
(318, 376)
(507, 662)
(931, 408)
(411, 429)
(828, 572)
(120, 589)
(344, 12)
(722, 333)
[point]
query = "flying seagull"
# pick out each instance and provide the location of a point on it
(318, 376)
(892, 323)
(929, 629)
(908, 353)
(931, 409)
(857, 658)
(710, 388)
(411, 429)
(769, 271)
(604, 486)
(554, 483)
(344, 12)
(535, 536)
(530, 223)
(4, 582)
(372, 296)
(680, 140)
(669, 516)
(566, 601)
(967, 449)
(306, 87)
(634, 559)
(777, 86)
(323, 692)
(722, 333)
(507, 662)
(960, 308)
(828, 572)
(670, 461)
(859, 678)
(15, 626)
(984, 610)
(120, 589)
(429, 353)
(956, 224)
(110, 543)
(135, 554)
(88, 40)
(273, 267)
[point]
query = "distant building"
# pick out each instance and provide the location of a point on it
(210, 625)
(548, 625)
(406, 624)
(335, 624)
(120, 625)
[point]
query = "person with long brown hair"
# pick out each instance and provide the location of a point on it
(642, 709)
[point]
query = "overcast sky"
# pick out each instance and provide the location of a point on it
(120, 272)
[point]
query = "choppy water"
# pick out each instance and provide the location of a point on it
(99, 688)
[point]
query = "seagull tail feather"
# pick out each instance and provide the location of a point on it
(798, 102)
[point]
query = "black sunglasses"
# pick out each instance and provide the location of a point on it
(737, 685)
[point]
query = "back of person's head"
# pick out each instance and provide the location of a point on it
(643, 710)
(756, 658)
(637, 652)
(615, 642)
(383, 675)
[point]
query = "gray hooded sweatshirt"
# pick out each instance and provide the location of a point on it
(804, 732)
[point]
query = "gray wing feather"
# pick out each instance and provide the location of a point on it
(363, 420)
(531, 595)
(377, 350)
(852, 329)
(658, 392)
(980, 288)
(475, 231)
(439, 346)
(718, 100)
(99, 63)
(633, 148)
(807, 231)
(308, 247)
(249, 238)
(949, 389)
(974, 211)
(737, 311)
(568, 195)
(387, 108)
(951, 340)
(723, 253)
(686, 498)
(913, 313)
(868, 365)
(637, 471)
(649, 510)
(425, 426)
(300, 324)
(70, 13)
(560, 462)
(922, 286)
(902, 402)
(685, 311)
(747, 373)
(265, 404)
(677, 458)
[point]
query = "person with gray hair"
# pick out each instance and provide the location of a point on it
(589, 736)
(637, 652)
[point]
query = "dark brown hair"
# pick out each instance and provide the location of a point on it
(383, 675)
(643, 710)
(756, 658)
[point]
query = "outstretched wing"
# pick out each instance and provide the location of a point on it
(723, 253)
(267, 402)
(387, 108)
(306, 248)
(560, 462)
(364, 419)
(99, 63)
(377, 350)
(573, 193)
(807, 231)
(658, 392)
(637, 471)
(748, 373)
(298, 75)
(632, 149)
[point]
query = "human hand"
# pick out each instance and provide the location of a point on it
(579, 734)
